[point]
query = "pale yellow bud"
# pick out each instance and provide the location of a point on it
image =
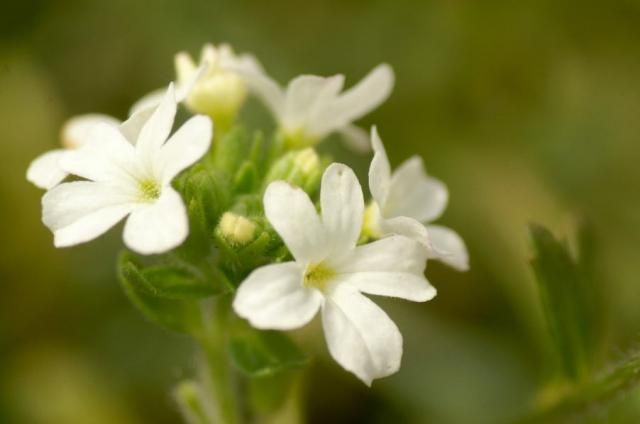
(236, 228)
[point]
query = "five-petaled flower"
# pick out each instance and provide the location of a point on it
(45, 170)
(127, 170)
(407, 199)
(330, 273)
(312, 107)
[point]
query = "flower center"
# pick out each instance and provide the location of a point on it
(149, 190)
(318, 276)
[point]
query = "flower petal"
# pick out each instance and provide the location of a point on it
(356, 102)
(360, 336)
(355, 138)
(291, 213)
(414, 194)
(408, 227)
(159, 226)
(390, 254)
(45, 172)
(449, 247)
(272, 297)
(156, 129)
(393, 267)
(76, 131)
(185, 147)
(263, 87)
(379, 170)
(131, 128)
(342, 207)
(106, 157)
(81, 211)
(307, 97)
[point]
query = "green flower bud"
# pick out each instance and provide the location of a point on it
(302, 168)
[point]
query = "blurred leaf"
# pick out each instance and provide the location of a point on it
(265, 353)
(246, 179)
(594, 396)
(176, 314)
(564, 294)
(176, 282)
(191, 399)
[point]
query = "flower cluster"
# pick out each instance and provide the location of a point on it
(284, 227)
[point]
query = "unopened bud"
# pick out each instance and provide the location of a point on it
(236, 229)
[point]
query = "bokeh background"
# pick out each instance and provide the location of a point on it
(529, 110)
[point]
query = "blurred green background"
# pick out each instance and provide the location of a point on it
(529, 110)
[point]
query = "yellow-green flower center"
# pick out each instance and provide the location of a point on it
(149, 190)
(318, 276)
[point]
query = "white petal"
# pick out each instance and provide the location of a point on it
(159, 226)
(76, 131)
(355, 138)
(44, 171)
(390, 254)
(291, 213)
(106, 157)
(307, 97)
(263, 87)
(360, 336)
(81, 211)
(131, 128)
(184, 65)
(379, 170)
(361, 99)
(408, 227)
(403, 285)
(391, 267)
(157, 128)
(272, 297)
(185, 147)
(342, 207)
(414, 194)
(449, 246)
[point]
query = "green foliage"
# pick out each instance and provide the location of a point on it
(567, 304)
(191, 401)
(265, 353)
(178, 314)
(594, 396)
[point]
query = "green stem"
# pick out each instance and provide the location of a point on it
(218, 373)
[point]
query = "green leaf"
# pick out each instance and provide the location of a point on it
(175, 282)
(592, 397)
(246, 179)
(175, 314)
(564, 295)
(265, 353)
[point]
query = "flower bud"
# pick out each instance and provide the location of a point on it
(236, 229)
(302, 168)
(219, 92)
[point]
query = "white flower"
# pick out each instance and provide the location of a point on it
(213, 87)
(44, 171)
(128, 171)
(406, 200)
(312, 107)
(330, 273)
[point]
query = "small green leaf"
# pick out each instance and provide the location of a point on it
(175, 282)
(591, 397)
(178, 315)
(265, 353)
(246, 179)
(564, 294)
